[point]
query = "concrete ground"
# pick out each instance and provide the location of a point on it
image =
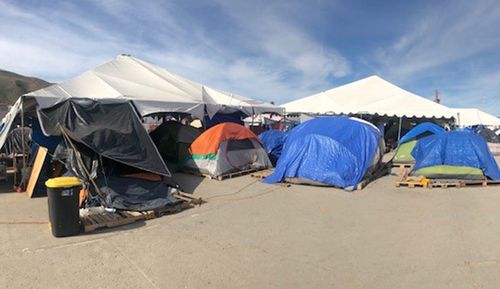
(253, 235)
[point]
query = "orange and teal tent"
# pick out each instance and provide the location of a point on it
(226, 148)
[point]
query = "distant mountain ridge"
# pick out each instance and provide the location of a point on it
(13, 85)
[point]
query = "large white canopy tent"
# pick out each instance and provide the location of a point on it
(151, 89)
(372, 95)
(473, 116)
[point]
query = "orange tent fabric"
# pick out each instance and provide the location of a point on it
(209, 141)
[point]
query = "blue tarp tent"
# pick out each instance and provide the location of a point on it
(330, 150)
(456, 149)
(273, 141)
(423, 128)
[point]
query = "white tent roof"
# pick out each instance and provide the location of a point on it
(474, 116)
(371, 95)
(151, 88)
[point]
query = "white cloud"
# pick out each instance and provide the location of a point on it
(445, 34)
(264, 53)
(54, 47)
(450, 46)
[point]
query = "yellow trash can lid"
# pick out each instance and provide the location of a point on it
(63, 182)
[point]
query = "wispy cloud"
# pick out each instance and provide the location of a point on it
(453, 46)
(267, 55)
(444, 34)
(51, 44)
(275, 50)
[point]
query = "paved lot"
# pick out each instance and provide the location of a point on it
(252, 235)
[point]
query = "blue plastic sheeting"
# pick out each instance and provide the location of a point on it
(335, 151)
(219, 118)
(273, 141)
(50, 142)
(425, 127)
(456, 149)
(465, 129)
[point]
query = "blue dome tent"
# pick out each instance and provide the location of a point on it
(408, 141)
(334, 151)
(460, 155)
(421, 130)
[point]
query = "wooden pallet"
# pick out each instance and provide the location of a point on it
(410, 184)
(413, 182)
(120, 218)
(222, 177)
(445, 183)
(403, 165)
(188, 198)
(262, 174)
(113, 219)
(468, 183)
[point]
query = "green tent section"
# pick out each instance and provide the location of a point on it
(403, 153)
(450, 172)
(409, 140)
(173, 140)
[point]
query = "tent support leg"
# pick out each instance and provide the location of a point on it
(284, 120)
(23, 170)
(399, 129)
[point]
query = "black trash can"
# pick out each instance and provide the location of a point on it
(64, 214)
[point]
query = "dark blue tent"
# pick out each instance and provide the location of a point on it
(330, 150)
(456, 149)
(273, 141)
(219, 118)
(50, 142)
(421, 129)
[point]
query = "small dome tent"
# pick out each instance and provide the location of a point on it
(173, 140)
(454, 155)
(333, 151)
(273, 141)
(409, 140)
(226, 148)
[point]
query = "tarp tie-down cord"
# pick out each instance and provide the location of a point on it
(79, 159)
(101, 164)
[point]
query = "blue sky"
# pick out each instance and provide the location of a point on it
(271, 50)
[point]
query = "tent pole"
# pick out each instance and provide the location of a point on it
(22, 139)
(399, 130)
(253, 119)
(79, 159)
(284, 120)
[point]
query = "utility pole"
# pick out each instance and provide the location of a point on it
(436, 97)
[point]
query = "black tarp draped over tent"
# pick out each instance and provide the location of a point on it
(111, 129)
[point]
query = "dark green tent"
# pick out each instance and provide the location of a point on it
(173, 139)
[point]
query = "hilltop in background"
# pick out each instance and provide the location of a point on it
(13, 85)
